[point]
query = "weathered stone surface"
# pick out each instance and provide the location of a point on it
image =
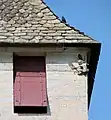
(27, 37)
(70, 41)
(61, 28)
(54, 34)
(22, 11)
(45, 10)
(42, 28)
(3, 31)
(60, 25)
(34, 41)
(42, 34)
(11, 22)
(8, 34)
(42, 22)
(49, 31)
(10, 28)
(20, 28)
(48, 25)
(71, 31)
(48, 38)
(20, 34)
(58, 37)
(2, 37)
(40, 14)
(70, 37)
(33, 33)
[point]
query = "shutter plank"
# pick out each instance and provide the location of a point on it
(44, 91)
(17, 91)
(31, 94)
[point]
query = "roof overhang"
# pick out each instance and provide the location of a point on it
(94, 57)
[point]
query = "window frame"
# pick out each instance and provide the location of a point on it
(30, 109)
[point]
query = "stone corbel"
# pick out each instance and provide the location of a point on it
(81, 68)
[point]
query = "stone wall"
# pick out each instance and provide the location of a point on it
(6, 85)
(67, 92)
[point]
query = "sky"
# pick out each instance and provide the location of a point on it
(93, 17)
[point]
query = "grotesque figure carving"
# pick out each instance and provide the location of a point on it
(82, 66)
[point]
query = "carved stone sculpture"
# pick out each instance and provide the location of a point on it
(81, 68)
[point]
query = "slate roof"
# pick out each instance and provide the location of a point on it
(32, 21)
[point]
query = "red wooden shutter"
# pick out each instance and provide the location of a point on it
(30, 82)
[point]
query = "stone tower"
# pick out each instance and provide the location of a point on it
(30, 30)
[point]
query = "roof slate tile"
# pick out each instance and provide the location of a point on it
(32, 21)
